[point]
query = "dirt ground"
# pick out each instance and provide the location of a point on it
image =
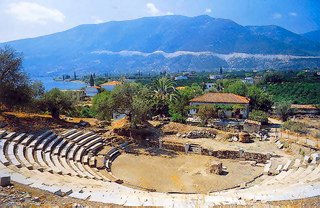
(35, 123)
(181, 173)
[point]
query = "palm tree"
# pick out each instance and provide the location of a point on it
(163, 91)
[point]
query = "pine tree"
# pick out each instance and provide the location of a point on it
(75, 76)
(91, 81)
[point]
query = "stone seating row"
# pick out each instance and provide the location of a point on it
(113, 154)
(37, 154)
(296, 170)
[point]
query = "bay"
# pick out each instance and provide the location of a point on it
(49, 83)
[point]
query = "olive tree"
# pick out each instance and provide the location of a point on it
(15, 87)
(56, 102)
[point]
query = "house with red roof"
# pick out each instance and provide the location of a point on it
(235, 106)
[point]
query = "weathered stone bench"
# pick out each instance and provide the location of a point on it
(53, 143)
(87, 139)
(95, 147)
(9, 135)
(2, 133)
(38, 139)
(74, 135)
(3, 158)
(83, 136)
(52, 167)
(19, 138)
(287, 165)
(66, 149)
(59, 147)
(267, 168)
(72, 152)
(27, 140)
(11, 155)
(93, 142)
(22, 158)
(45, 142)
(41, 161)
(68, 133)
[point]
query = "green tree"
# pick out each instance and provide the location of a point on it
(56, 102)
(259, 116)
(133, 100)
(178, 108)
(15, 87)
(37, 89)
(91, 81)
(283, 109)
(273, 77)
(102, 105)
(163, 91)
(207, 112)
(237, 87)
(259, 100)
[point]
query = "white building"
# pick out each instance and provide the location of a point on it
(215, 77)
(180, 77)
(226, 99)
(248, 80)
(209, 86)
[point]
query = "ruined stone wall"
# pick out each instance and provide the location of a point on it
(223, 154)
(173, 146)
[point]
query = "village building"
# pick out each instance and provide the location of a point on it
(248, 80)
(92, 91)
(209, 86)
(216, 76)
(223, 99)
(182, 77)
(109, 86)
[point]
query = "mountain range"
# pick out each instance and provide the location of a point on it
(152, 44)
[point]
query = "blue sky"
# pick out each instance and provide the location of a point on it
(31, 18)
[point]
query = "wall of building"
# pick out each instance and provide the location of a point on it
(244, 112)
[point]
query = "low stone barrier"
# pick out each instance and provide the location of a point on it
(198, 134)
(223, 154)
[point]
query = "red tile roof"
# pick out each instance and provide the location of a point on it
(221, 98)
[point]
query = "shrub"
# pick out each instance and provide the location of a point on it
(207, 112)
(259, 116)
(297, 127)
(177, 117)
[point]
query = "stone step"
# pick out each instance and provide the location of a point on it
(22, 158)
(3, 158)
(68, 133)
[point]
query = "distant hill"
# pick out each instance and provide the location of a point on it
(166, 42)
(314, 35)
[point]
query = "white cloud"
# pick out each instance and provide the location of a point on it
(207, 10)
(96, 20)
(293, 14)
(152, 9)
(277, 16)
(34, 13)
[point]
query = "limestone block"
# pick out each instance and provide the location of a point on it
(5, 180)
(244, 137)
(215, 167)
